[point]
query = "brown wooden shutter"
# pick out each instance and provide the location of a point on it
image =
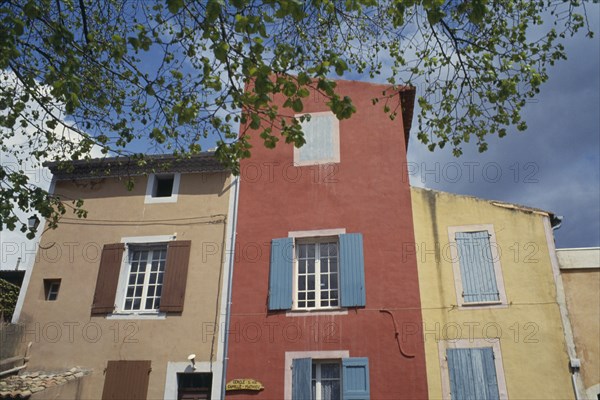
(108, 278)
(173, 291)
(126, 380)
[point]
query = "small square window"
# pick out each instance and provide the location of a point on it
(51, 288)
(163, 186)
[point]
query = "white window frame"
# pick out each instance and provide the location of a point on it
(308, 236)
(130, 242)
(316, 356)
(150, 189)
(145, 270)
(315, 241)
(335, 138)
(494, 343)
(502, 302)
(318, 379)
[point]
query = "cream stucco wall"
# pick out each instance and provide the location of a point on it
(580, 270)
(64, 332)
(534, 359)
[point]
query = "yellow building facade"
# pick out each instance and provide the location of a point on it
(491, 323)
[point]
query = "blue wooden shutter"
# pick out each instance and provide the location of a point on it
(280, 276)
(352, 270)
(355, 378)
(476, 267)
(472, 374)
(301, 379)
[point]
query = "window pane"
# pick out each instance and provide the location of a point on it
(324, 265)
(329, 371)
(333, 249)
(333, 265)
(302, 251)
(149, 304)
(311, 266)
(324, 249)
(301, 282)
(333, 281)
(311, 251)
(301, 266)
(330, 390)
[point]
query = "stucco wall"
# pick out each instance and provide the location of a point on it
(580, 270)
(63, 331)
(366, 192)
(529, 327)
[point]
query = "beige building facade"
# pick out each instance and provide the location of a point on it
(580, 272)
(131, 292)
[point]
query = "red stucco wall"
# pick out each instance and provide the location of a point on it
(367, 192)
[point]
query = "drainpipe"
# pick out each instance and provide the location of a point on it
(229, 253)
(551, 223)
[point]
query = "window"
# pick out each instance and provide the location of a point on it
(472, 369)
(162, 188)
(472, 373)
(477, 273)
(142, 277)
(314, 273)
(51, 287)
(330, 379)
(145, 281)
(194, 385)
(322, 135)
(326, 380)
(126, 380)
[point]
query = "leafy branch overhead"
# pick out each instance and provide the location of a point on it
(79, 75)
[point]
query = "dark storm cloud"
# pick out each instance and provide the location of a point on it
(554, 165)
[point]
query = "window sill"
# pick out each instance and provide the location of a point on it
(147, 315)
(316, 311)
(158, 200)
(483, 304)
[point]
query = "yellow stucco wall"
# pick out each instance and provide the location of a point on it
(533, 352)
(63, 331)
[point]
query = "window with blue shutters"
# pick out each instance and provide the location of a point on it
(477, 271)
(472, 374)
(317, 273)
(314, 379)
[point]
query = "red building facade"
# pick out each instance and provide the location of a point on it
(324, 302)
